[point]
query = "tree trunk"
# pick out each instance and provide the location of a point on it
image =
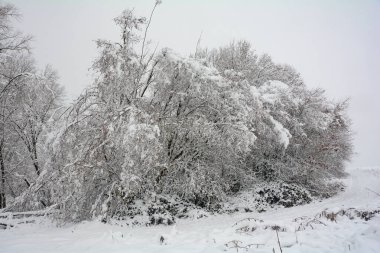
(35, 159)
(3, 202)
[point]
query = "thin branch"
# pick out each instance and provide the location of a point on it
(378, 194)
(146, 29)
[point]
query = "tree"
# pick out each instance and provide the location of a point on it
(109, 141)
(11, 42)
(292, 122)
(28, 100)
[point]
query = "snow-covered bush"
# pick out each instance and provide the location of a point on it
(157, 210)
(282, 194)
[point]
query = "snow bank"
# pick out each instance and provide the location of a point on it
(333, 225)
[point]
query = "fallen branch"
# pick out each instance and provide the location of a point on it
(247, 219)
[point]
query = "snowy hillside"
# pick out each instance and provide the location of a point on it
(348, 222)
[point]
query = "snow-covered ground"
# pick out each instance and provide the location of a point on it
(300, 229)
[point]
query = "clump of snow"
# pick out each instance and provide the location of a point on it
(272, 91)
(282, 133)
(254, 91)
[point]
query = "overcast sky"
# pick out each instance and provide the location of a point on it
(333, 44)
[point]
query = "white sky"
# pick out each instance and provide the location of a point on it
(333, 44)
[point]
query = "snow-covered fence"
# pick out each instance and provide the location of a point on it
(13, 219)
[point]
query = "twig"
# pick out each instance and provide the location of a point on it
(236, 244)
(198, 44)
(278, 240)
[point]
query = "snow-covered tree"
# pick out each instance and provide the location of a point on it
(28, 100)
(11, 43)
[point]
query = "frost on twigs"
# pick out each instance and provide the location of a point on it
(326, 216)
